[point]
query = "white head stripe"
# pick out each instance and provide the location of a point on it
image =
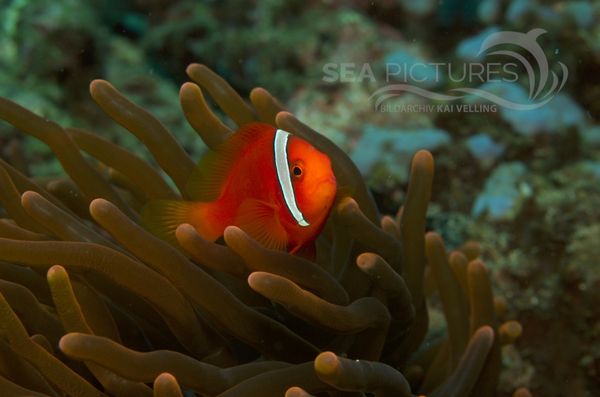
(283, 175)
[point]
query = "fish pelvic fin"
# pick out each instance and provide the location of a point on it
(260, 219)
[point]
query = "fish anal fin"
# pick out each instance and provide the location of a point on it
(261, 221)
(210, 175)
(162, 217)
(306, 251)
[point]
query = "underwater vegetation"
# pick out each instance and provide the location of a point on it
(92, 304)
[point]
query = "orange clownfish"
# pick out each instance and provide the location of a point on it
(273, 185)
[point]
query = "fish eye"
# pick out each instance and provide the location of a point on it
(297, 170)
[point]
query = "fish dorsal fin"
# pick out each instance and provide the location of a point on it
(162, 217)
(210, 176)
(260, 220)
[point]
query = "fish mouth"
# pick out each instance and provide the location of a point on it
(328, 179)
(325, 189)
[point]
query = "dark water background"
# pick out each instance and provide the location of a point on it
(525, 183)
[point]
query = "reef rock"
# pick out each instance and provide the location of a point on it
(484, 149)
(393, 148)
(503, 193)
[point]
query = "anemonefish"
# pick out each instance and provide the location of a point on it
(275, 186)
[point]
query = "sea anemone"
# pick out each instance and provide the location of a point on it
(123, 313)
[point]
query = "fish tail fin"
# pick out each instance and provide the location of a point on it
(162, 217)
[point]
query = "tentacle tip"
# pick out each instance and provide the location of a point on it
(431, 234)
(477, 265)
(257, 280)
(423, 158)
(513, 328)
(348, 201)
(432, 239)
(65, 343)
(257, 92)
(253, 282)
(365, 260)
(28, 196)
(232, 232)
(283, 116)
(327, 364)
(456, 255)
(522, 392)
(193, 68)
(55, 271)
(423, 161)
(165, 377)
(98, 201)
(295, 391)
(98, 84)
(424, 154)
(185, 234)
(185, 86)
(486, 331)
(184, 230)
(472, 249)
(347, 206)
(99, 206)
(189, 89)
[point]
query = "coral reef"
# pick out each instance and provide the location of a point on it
(524, 183)
(92, 304)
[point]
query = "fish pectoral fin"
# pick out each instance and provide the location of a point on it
(261, 221)
(162, 217)
(210, 175)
